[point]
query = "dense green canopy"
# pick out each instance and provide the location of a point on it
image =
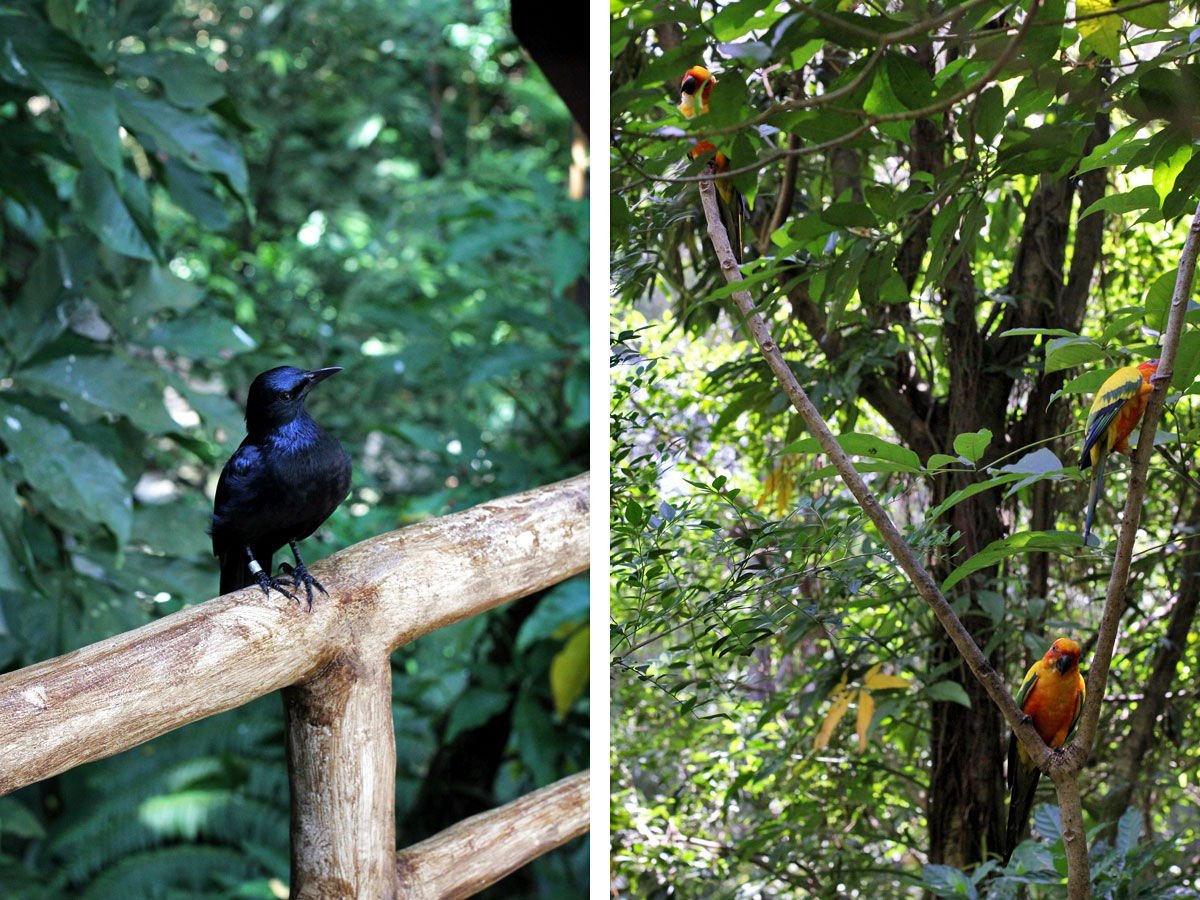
(964, 217)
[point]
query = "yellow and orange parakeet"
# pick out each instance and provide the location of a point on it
(1052, 695)
(696, 89)
(1116, 411)
(694, 93)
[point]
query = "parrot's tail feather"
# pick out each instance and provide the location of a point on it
(1020, 804)
(1097, 486)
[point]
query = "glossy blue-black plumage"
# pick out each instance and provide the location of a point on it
(284, 480)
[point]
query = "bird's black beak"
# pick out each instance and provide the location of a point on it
(1065, 663)
(316, 376)
(690, 83)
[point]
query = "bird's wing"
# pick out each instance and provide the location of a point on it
(1031, 678)
(1113, 394)
(239, 466)
(1080, 697)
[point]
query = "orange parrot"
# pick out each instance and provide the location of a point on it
(693, 100)
(1052, 695)
(1116, 411)
(696, 79)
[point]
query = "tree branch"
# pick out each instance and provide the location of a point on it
(903, 554)
(1078, 870)
(479, 851)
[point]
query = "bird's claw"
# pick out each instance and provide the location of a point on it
(300, 575)
(266, 583)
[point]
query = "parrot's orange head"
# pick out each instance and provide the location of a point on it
(693, 92)
(1148, 368)
(1064, 655)
(720, 160)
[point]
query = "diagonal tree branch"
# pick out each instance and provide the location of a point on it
(1114, 601)
(1063, 766)
(903, 554)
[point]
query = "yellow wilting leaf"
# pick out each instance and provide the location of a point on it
(768, 488)
(866, 709)
(876, 682)
(569, 671)
(783, 497)
(841, 697)
(841, 702)
(1102, 34)
(780, 485)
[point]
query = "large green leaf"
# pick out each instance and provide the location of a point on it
(971, 446)
(897, 458)
(1141, 197)
(109, 216)
(192, 137)
(157, 290)
(92, 385)
(38, 316)
(188, 79)
(1060, 542)
(33, 53)
(195, 194)
(74, 476)
(910, 82)
(1156, 15)
(200, 335)
(1063, 353)
(1102, 34)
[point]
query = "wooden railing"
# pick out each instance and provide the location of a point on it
(333, 666)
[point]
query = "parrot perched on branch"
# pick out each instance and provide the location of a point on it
(1052, 695)
(1116, 411)
(693, 100)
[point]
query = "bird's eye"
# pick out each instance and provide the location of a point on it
(288, 395)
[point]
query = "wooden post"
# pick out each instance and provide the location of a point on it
(341, 751)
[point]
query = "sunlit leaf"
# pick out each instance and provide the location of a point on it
(1102, 34)
(569, 672)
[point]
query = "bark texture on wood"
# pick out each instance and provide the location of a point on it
(120, 692)
(462, 860)
(1131, 753)
(341, 750)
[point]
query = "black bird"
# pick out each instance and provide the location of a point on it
(281, 484)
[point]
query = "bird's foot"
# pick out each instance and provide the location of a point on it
(266, 582)
(300, 575)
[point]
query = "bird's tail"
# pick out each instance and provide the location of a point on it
(235, 571)
(732, 207)
(1097, 486)
(1020, 804)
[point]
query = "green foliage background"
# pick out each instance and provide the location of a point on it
(192, 193)
(960, 227)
